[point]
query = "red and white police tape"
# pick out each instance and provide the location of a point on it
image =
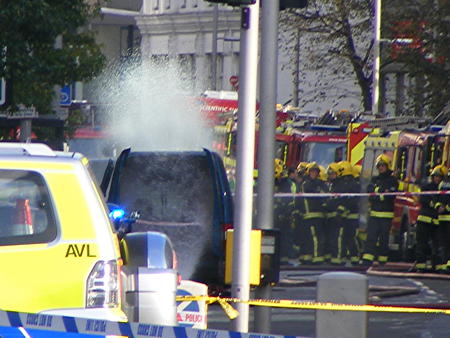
(362, 194)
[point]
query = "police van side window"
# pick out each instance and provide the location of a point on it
(26, 213)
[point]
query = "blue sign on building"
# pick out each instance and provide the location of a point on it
(65, 95)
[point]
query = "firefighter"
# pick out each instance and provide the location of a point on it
(280, 218)
(288, 182)
(333, 226)
(443, 208)
(300, 233)
(313, 216)
(323, 174)
(278, 171)
(285, 211)
(350, 212)
(342, 214)
(428, 223)
(356, 172)
(301, 171)
(381, 212)
(354, 217)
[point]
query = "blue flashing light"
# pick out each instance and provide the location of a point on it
(436, 128)
(117, 214)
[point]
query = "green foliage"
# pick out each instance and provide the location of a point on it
(75, 119)
(427, 59)
(337, 41)
(30, 61)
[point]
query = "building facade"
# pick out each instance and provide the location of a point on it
(204, 39)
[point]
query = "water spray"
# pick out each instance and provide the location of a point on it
(152, 107)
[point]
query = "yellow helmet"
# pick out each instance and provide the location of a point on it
(356, 170)
(345, 168)
(439, 170)
(383, 158)
(322, 173)
(333, 167)
(279, 167)
(312, 166)
(302, 167)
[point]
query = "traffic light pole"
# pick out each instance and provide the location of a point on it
(240, 287)
(266, 144)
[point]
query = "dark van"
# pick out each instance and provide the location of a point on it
(185, 195)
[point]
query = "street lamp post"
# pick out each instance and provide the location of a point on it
(244, 163)
(214, 46)
(376, 58)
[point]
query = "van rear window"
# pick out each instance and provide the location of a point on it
(168, 188)
(26, 213)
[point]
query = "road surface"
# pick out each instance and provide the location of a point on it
(297, 284)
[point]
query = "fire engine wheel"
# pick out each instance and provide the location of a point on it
(406, 241)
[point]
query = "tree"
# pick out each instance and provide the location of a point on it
(336, 46)
(30, 61)
(425, 52)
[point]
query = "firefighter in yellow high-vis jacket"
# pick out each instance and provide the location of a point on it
(381, 212)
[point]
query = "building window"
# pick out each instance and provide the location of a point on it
(167, 4)
(219, 70)
(183, 4)
(155, 4)
(159, 59)
(130, 41)
(187, 66)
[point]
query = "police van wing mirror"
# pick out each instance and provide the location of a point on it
(134, 216)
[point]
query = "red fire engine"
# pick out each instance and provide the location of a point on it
(322, 144)
(414, 152)
(299, 137)
(308, 146)
(417, 154)
(218, 106)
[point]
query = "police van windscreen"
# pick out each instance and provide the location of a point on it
(168, 188)
(323, 153)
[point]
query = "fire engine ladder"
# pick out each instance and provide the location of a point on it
(398, 123)
(336, 121)
(443, 117)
